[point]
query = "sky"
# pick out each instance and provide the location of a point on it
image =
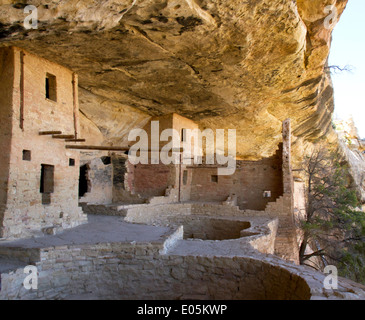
(348, 48)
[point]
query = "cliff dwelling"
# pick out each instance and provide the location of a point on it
(97, 225)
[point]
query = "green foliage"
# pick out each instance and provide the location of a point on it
(334, 225)
(352, 263)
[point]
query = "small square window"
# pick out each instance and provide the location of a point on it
(71, 162)
(214, 178)
(267, 194)
(27, 155)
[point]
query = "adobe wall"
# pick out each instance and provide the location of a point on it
(25, 214)
(149, 180)
(152, 180)
(249, 182)
(194, 183)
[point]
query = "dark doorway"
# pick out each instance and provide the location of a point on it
(84, 182)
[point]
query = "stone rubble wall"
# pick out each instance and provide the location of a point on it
(125, 271)
(143, 271)
(100, 177)
(102, 209)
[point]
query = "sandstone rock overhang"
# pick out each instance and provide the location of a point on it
(246, 66)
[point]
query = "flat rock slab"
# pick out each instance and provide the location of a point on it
(99, 229)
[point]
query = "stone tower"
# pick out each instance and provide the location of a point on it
(38, 176)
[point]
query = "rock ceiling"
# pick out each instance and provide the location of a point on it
(226, 64)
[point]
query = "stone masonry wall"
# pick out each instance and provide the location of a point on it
(151, 180)
(143, 271)
(248, 183)
(124, 271)
(6, 87)
(25, 214)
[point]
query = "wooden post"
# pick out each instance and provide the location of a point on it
(21, 111)
(45, 133)
(75, 95)
(63, 136)
(101, 148)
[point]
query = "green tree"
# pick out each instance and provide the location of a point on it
(333, 229)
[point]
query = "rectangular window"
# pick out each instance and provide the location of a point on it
(27, 155)
(51, 87)
(71, 162)
(47, 179)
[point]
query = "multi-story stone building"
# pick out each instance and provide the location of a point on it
(39, 177)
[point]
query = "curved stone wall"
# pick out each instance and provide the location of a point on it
(168, 269)
(140, 272)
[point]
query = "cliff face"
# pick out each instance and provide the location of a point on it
(227, 64)
(352, 149)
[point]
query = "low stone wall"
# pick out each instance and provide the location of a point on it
(125, 271)
(100, 209)
(150, 214)
(167, 269)
(207, 228)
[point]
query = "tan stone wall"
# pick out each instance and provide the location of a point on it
(6, 81)
(100, 181)
(148, 271)
(248, 183)
(25, 214)
(124, 271)
(299, 198)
